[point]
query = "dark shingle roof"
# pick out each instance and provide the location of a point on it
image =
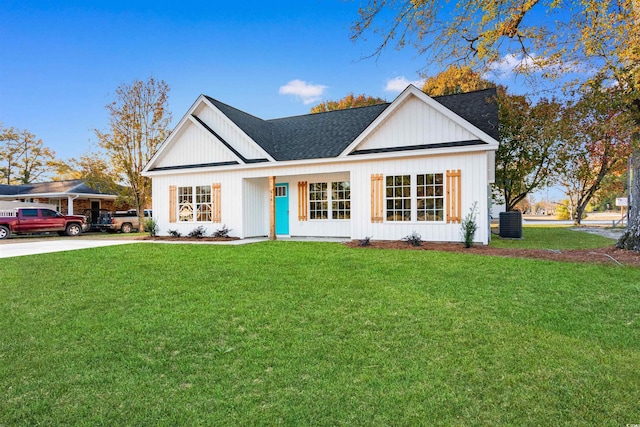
(480, 108)
(326, 135)
(74, 186)
(322, 135)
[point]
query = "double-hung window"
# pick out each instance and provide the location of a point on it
(398, 197)
(341, 200)
(203, 203)
(330, 200)
(415, 197)
(185, 204)
(195, 204)
(430, 197)
(318, 201)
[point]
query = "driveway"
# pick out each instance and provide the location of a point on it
(42, 246)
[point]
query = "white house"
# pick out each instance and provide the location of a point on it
(383, 171)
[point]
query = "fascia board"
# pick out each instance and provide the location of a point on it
(332, 160)
(238, 129)
(167, 142)
(215, 136)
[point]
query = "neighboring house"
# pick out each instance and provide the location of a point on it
(69, 197)
(383, 171)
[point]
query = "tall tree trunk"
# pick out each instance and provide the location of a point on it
(631, 238)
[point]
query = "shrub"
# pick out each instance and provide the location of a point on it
(365, 242)
(198, 232)
(174, 233)
(222, 232)
(151, 226)
(414, 239)
(469, 226)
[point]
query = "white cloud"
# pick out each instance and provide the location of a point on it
(511, 65)
(400, 83)
(307, 92)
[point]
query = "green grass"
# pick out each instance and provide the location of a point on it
(552, 238)
(289, 333)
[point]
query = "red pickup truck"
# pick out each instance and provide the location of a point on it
(38, 220)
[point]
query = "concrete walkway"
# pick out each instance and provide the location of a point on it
(43, 246)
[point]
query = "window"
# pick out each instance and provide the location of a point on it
(318, 201)
(203, 203)
(430, 197)
(341, 200)
(334, 204)
(185, 204)
(420, 197)
(398, 197)
(30, 213)
(281, 191)
(48, 213)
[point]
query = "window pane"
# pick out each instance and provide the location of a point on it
(318, 200)
(340, 200)
(430, 197)
(398, 198)
(185, 204)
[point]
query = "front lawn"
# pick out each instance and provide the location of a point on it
(290, 333)
(558, 237)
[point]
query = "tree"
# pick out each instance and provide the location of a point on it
(596, 139)
(525, 156)
(454, 80)
(24, 158)
(348, 101)
(575, 35)
(528, 142)
(94, 169)
(139, 122)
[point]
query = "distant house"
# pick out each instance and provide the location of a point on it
(415, 164)
(68, 197)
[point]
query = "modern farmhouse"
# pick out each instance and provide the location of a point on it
(417, 164)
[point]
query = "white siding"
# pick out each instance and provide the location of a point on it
(415, 123)
(255, 197)
(474, 189)
(229, 132)
(194, 146)
(245, 197)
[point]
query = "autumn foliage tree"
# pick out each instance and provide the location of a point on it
(526, 154)
(596, 140)
(23, 158)
(139, 122)
(348, 101)
(545, 38)
(455, 79)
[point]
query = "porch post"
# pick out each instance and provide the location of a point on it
(272, 208)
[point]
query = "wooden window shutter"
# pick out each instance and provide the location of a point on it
(216, 212)
(454, 196)
(377, 198)
(173, 200)
(303, 191)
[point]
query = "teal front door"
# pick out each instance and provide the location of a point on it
(282, 208)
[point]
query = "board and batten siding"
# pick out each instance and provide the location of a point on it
(229, 132)
(195, 146)
(255, 197)
(415, 123)
(245, 197)
(473, 171)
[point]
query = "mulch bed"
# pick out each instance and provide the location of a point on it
(609, 255)
(190, 239)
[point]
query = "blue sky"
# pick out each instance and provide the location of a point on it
(62, 60)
